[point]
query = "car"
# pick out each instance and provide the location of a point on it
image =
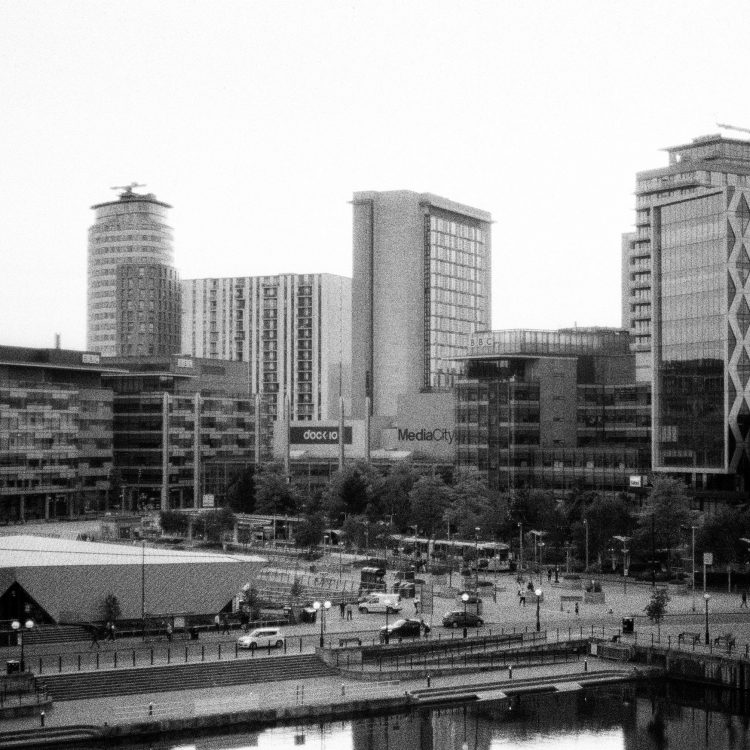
(460, 619)
(473, 598)
(262, 638)
(404, 629)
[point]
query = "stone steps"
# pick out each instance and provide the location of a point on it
(83, 685)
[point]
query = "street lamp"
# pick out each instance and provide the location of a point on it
(476, 558)
(706, 597)
(586, 530)
(538, 593)
(624, 540)
(537, 538)
(16, 625)
(520, 547)
(541, 561)
(465, 599)
(322, 608)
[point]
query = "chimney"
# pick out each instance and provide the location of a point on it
(57, 341)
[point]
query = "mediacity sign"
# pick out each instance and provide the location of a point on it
(318, 435)
(437, 435)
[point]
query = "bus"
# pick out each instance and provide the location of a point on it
(493, 556)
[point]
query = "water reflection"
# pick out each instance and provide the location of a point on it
(638, 717)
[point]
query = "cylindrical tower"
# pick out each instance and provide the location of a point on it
(133, 287)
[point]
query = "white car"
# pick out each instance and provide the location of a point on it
(262, 638)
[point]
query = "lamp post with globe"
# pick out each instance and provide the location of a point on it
(17, 625)
(322, 609)
(538, 593)
(465, 599)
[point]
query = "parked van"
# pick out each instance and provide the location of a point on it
(380, 602)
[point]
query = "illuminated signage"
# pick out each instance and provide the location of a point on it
(319, 435)
(184, 362)
(90, 359)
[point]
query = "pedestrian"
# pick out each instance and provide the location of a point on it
(417, 602)
(576, 609)
(111, 631)
(349, 611)
(244, 621)
(42, 717)
(342, 608)
(225, 625)
(217, 622)
(523, 599)
(549, 574)
(94, 637)
(169, 631)
(743, 603)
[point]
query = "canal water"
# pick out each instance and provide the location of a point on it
(634, 716)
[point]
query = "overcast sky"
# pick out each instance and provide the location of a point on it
(257, 121)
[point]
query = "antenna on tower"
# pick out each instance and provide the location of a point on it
(127, 189)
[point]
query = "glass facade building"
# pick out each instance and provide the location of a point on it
(421, 284)
(199, 411)
(553, 410)
(55, 434)
(707, 163)
(455, 299)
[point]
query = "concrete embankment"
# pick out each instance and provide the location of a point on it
(401, 697)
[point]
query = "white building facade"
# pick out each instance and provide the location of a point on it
(293, 329)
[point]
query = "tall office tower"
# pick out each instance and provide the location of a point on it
(421, 284)
(293, 329)
(133, 287)
(707, 162)
(698, 249)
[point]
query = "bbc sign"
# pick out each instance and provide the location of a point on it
(318, 435)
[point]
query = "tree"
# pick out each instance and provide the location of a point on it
(428, 501)
(174, 522)
(471, 502)
(110, 608)
(251, 601)
(607, 517)
(352, 491)
(241, 491)
(216, 522)
(721, 534)
(657, 608)
(310, 532)
(274, 495)
(393, 493)
(661, 521)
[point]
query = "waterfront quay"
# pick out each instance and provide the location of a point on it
(136, 688)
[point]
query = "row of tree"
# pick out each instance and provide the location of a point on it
(367, 505)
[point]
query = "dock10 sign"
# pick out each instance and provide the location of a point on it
(318, 435)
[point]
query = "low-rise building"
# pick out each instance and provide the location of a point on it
(55, 433)
(554, 410)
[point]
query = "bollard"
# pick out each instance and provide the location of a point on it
(585, 665)
(42, 717)
(343, 689)
(429, 679)
(133, 657)
(510, 671)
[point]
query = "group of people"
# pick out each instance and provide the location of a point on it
(107, 635)
(346, 609)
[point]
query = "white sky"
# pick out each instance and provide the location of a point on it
(257, 121)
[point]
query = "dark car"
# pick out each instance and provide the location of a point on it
(460, 619)
(405, 629)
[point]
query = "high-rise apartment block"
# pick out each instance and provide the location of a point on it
(133, 288)
(708, 162)
(421, 284)
(294, 330)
